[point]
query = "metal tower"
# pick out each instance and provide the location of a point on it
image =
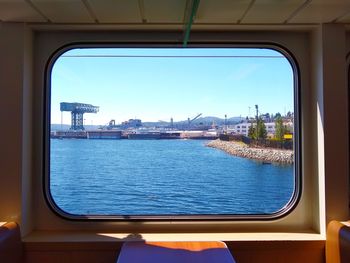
(77, 112)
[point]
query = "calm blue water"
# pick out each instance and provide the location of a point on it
(148, 177)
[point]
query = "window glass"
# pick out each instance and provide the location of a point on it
(138, 132)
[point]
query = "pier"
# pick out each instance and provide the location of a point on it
(133, 135)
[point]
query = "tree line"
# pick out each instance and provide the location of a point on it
(258, 131)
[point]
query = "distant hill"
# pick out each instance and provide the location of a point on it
(218, 121)
(205, 121)
(58, 127)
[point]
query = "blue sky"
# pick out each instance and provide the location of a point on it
(157, 84)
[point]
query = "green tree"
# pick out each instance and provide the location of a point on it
(257, 131)
(252, 132)
(278, 115)
(261, 130)
(280, 129)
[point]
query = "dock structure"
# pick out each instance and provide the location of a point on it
(77, 113)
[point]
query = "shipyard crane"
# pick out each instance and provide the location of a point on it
(77, 112)
(191, 120)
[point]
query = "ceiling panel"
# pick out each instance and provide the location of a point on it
(322, 11)
(345, 18)
(166, 11)
(18, 11)
(172, 11)
(64, 11)
(116, 11)
(221, 11)
(271, 11)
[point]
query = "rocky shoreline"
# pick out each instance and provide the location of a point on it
(261, 154)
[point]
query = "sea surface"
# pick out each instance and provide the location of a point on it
(162, 177)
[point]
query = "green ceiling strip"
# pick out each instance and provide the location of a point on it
(189, 21)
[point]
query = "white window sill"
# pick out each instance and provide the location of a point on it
(72, 236)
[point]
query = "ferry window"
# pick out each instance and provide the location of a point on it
(152, 133)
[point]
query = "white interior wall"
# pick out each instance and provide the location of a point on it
(329, 129)
(335, 122)
(15, 120)
(46, 43)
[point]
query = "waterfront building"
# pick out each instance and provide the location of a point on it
(131, 123)
(243, 128)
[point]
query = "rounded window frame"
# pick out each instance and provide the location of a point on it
(297, 141)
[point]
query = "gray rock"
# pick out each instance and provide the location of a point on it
(263, 154)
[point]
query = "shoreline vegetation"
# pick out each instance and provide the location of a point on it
(240, 149)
